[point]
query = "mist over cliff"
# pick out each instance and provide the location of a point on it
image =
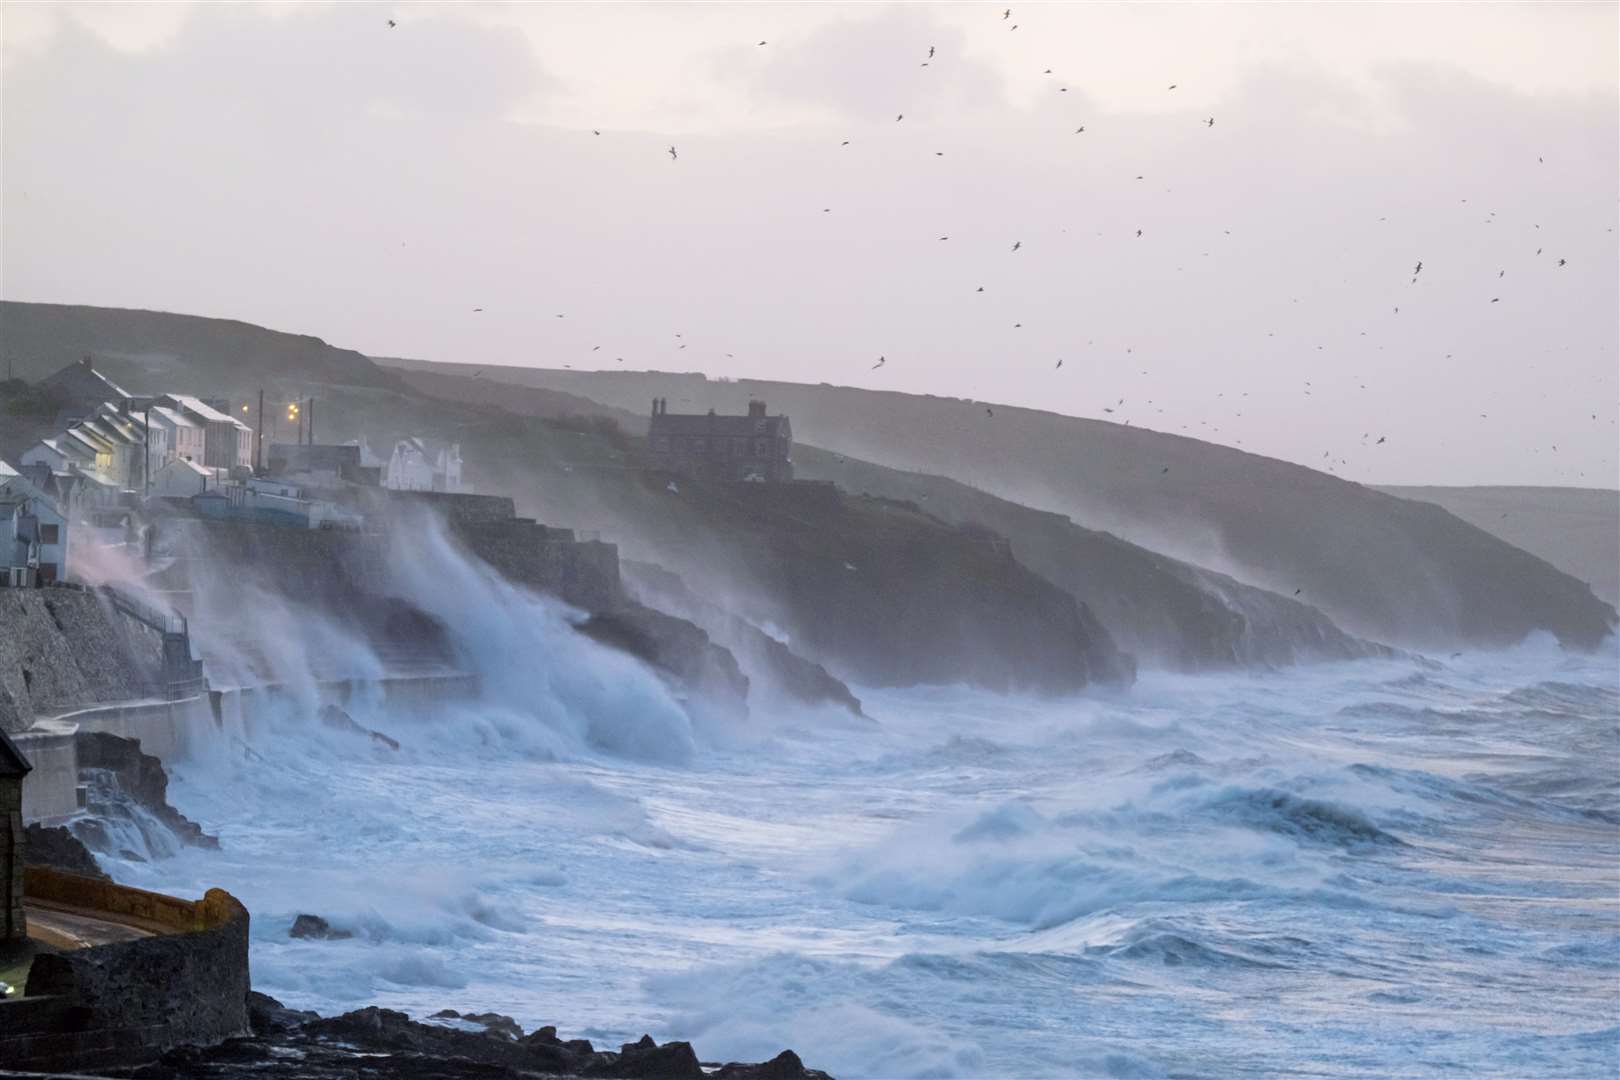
(1391, 569)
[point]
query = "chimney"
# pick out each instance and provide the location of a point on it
(88, 364)
(756, 409)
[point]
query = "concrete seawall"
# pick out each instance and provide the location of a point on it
(174, 731)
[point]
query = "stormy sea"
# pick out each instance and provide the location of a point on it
(1398, 866)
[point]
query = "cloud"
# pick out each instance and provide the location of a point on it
(873, 69)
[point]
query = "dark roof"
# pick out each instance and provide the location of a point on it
(12, 762)
(713, 425)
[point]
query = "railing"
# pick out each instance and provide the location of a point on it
(161, 621)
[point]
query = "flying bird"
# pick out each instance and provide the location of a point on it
(881, 361)
(392, 24)
(672, 154)
(1298, 591)
(1172, 86)
(1080, 129)
(1380, 441)
(1017, 244)
(1138, 232)
(1060, 363)
(1418, 269)
(980, 289)
(930, 52)
(595, 132)
(1561, 262)
(762, 43)
(1210, 122)
(988, 411)
(1005, 15)
(844, 143)
(476, 309)
(1164, 470)
(899, 118)
(1496, 299)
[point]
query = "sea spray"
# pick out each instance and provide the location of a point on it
(1189, 879)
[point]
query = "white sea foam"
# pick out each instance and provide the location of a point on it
(1367, 868)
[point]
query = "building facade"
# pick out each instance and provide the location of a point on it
(424, 465)
(756, 447)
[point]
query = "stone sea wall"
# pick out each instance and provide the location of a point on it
(130, 1001)
(63, 648)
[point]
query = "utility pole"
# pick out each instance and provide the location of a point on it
(258, 449)
(146, 453)
(312, 421)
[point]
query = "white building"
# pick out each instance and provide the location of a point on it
(424, 465)
(183, 478)
(227, 442)
(182, 436)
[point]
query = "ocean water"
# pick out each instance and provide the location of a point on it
(1378, 868)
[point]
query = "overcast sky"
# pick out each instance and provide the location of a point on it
(311, 169)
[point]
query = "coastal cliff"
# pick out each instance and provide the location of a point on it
(870, 588)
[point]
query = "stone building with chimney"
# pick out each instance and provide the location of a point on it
(755, 447)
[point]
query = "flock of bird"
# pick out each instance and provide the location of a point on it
(1017, 245)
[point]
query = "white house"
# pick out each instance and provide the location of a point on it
(424, 465)
(183, 436)
(227, 442)
(183, 478)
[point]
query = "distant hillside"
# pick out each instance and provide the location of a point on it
(1575, 529)
(150, 349)
(1383, 567)
(1165, 612)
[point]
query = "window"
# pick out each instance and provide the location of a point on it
(759, 447)
(697, 447)
(722, 447)
(48, 534)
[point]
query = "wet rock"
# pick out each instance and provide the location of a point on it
(646, 1060)
(268, 1016)
(57, 848)
(375, 1042)
(784, 1066)
(313, 926)
(338, 720)
(496, 1024)
(117, 773)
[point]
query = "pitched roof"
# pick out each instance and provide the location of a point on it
(187, 463)
(205, 411)
(174, 416)
(77, 372)
(714, 425)
(12, 762)
(74, 439)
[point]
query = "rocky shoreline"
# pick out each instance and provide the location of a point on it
(374, 1042)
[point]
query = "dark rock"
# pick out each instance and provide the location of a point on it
(313, 926)
(674, 646)
(57, 848)
(335, 718)
(498, 1026)
(646, 1060)
(778, 666)
(268, 1016)
(784, 1066)
(117, 773)
(547, 1036)
(374, 1044)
